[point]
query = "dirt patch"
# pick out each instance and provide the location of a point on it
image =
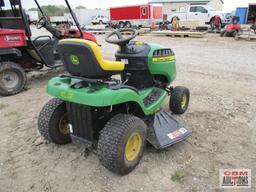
(220, 73)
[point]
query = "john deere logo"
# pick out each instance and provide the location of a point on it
(74, 59)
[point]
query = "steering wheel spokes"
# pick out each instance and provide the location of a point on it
(121, 39)
(41, 22)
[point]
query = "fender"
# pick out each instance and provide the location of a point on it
(10, 51)
(214, 17)
(60, 87)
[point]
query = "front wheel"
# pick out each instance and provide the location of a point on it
(223, 33)
(128, 24)
(234, 33)
(179, 100)
(53, 122)
(121, 143)
(12, 78)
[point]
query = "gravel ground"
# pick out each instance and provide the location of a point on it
(221, 74)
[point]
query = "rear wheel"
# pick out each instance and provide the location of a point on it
(121, 24)
(216, 24)
(12, 78)
(128, 24)
(100, 22)
(121, 143)
(53, 122)
(179, 100)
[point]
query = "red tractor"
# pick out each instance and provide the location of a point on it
(20, 52)
(232, 29)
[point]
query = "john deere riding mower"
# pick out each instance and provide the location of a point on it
(95, 108)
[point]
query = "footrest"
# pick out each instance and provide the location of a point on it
(152, 97)
(165, 131)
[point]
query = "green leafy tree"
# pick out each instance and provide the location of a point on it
(80, 7)
(33, 9)
(52, 10)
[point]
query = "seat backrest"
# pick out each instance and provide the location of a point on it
(12, 19)
(79, 58)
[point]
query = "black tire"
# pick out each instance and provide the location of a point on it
(176, 104)
(128, 24)
(12, 78)
(50, 120)
(202, 28)
(213, 22)
(223, 33)
(113, 141)
(100, 22)
(234, 33)
(121, 24)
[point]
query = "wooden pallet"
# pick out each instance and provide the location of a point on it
(247, 35)
(140, 32)
(180, 33)
(105, 32)
(99, 32)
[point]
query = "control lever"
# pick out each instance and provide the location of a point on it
(128, 75)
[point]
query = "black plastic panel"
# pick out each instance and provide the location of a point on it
(80, 117)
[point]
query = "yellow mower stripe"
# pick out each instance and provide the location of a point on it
(163, 59)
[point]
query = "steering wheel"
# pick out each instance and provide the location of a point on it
(41, 22)
(121, 40)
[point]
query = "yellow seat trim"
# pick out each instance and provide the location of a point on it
(106, 65)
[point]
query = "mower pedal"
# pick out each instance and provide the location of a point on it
(165, 131)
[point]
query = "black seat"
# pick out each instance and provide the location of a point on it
(42, 40)
(83, 58)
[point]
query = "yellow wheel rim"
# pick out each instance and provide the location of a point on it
(133, 147)
(184, 101)
(63, 125)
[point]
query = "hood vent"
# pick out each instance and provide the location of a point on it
(163, 53)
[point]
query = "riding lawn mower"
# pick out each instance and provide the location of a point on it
(115, 106)
(232, 29)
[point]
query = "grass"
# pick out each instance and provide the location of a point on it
(13, 113)
(3, 105)
(178, 177)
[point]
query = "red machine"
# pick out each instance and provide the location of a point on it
(137, 15)
(21, 52)
(75, 33)
(232, 29)
(12, 38)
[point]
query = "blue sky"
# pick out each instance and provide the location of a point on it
(228, 6)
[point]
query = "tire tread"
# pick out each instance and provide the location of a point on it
(111, 137)
(45, 117)
(11, 65)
